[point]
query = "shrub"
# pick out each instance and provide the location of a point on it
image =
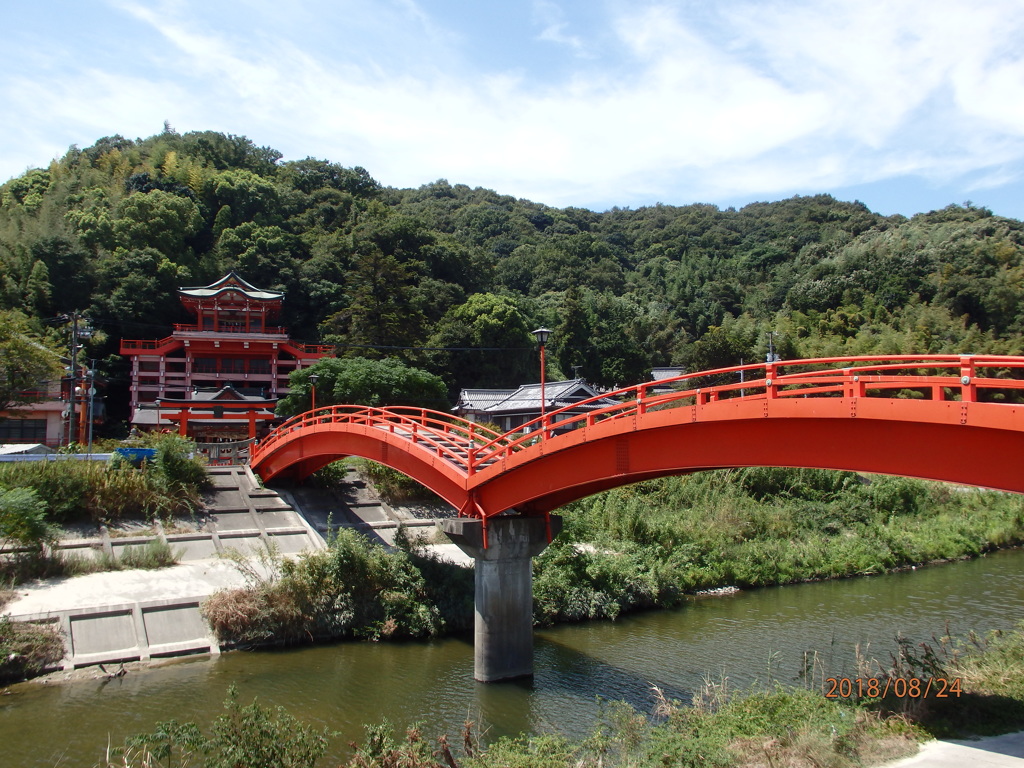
(76, 490)
(177, 463)
(27, 649)
(243, 736)
(354, 588)
(23, 519)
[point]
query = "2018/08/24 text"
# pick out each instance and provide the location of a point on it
(900, 687)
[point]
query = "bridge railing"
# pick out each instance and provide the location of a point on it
(966, 378)
(445, 435)
(472, 447)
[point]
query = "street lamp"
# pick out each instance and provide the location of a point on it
(313, 379)
(542, 334)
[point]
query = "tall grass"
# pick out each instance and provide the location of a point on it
(75, 490)
(645, 545)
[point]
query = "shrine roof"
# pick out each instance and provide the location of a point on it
(231, 282)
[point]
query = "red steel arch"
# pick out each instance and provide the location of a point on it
(955, 418)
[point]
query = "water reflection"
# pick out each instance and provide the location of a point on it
(752, 636)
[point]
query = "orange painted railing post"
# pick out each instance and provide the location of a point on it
(968, 389)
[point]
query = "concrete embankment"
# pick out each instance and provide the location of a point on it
(140, 615)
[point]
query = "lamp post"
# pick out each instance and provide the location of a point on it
(313, 379)
(542, 335)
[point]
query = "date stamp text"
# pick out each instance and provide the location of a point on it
(900, 687)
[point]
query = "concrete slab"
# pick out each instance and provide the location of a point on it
(370, 512)
(280, 519)
(103, 632)
(452, 554)
(291, 543)
(233, 521)
(230, 499)
(270, 503)
(1006, 751)
(118, 588)
(245, 544)
(174, 624)
(194, 549)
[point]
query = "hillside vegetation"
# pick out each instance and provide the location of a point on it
(114, 229)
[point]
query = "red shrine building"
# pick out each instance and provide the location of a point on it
(217, 379)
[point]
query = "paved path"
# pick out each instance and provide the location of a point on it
(1006, 751)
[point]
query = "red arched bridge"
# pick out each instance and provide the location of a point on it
(957, 418)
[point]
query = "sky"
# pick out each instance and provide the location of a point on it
(905, 105)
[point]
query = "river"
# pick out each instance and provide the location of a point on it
(751, 636)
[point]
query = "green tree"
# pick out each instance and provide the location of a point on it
(572, 336)
(157, 220)
(359, 381)
(491, 341)
(380, 311)
(38, 290)
(718, 348)
(27, 366)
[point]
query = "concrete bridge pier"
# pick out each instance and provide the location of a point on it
(503, 639)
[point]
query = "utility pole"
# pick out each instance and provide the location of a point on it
(74, 378)
(92, 400)
(771, 356)
(76, 334)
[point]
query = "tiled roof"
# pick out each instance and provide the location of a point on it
(231, 282)
(526, 399)
(481, 399)
(659, 374)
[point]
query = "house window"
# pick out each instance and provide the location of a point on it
(23, 430)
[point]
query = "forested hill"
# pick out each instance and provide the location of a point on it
(113, 230)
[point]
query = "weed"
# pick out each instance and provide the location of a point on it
(28, 649)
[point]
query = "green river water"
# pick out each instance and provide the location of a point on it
(750, 636)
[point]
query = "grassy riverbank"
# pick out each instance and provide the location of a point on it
(648, 544)
(772, 725)
(638, 547)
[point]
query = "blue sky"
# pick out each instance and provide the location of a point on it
(906, 105)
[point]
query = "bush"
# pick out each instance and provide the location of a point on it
(242, 736)
(27, 649)
(88, 490)
(177, 464)
(23, 519)
(352, 589)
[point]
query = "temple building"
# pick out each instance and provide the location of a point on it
(219, 378)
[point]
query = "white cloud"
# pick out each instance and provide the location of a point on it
(685, 101)
(551, 17)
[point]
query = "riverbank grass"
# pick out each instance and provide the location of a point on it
(771, 726)
(51, 563)
(649, 544)
(28, 649)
